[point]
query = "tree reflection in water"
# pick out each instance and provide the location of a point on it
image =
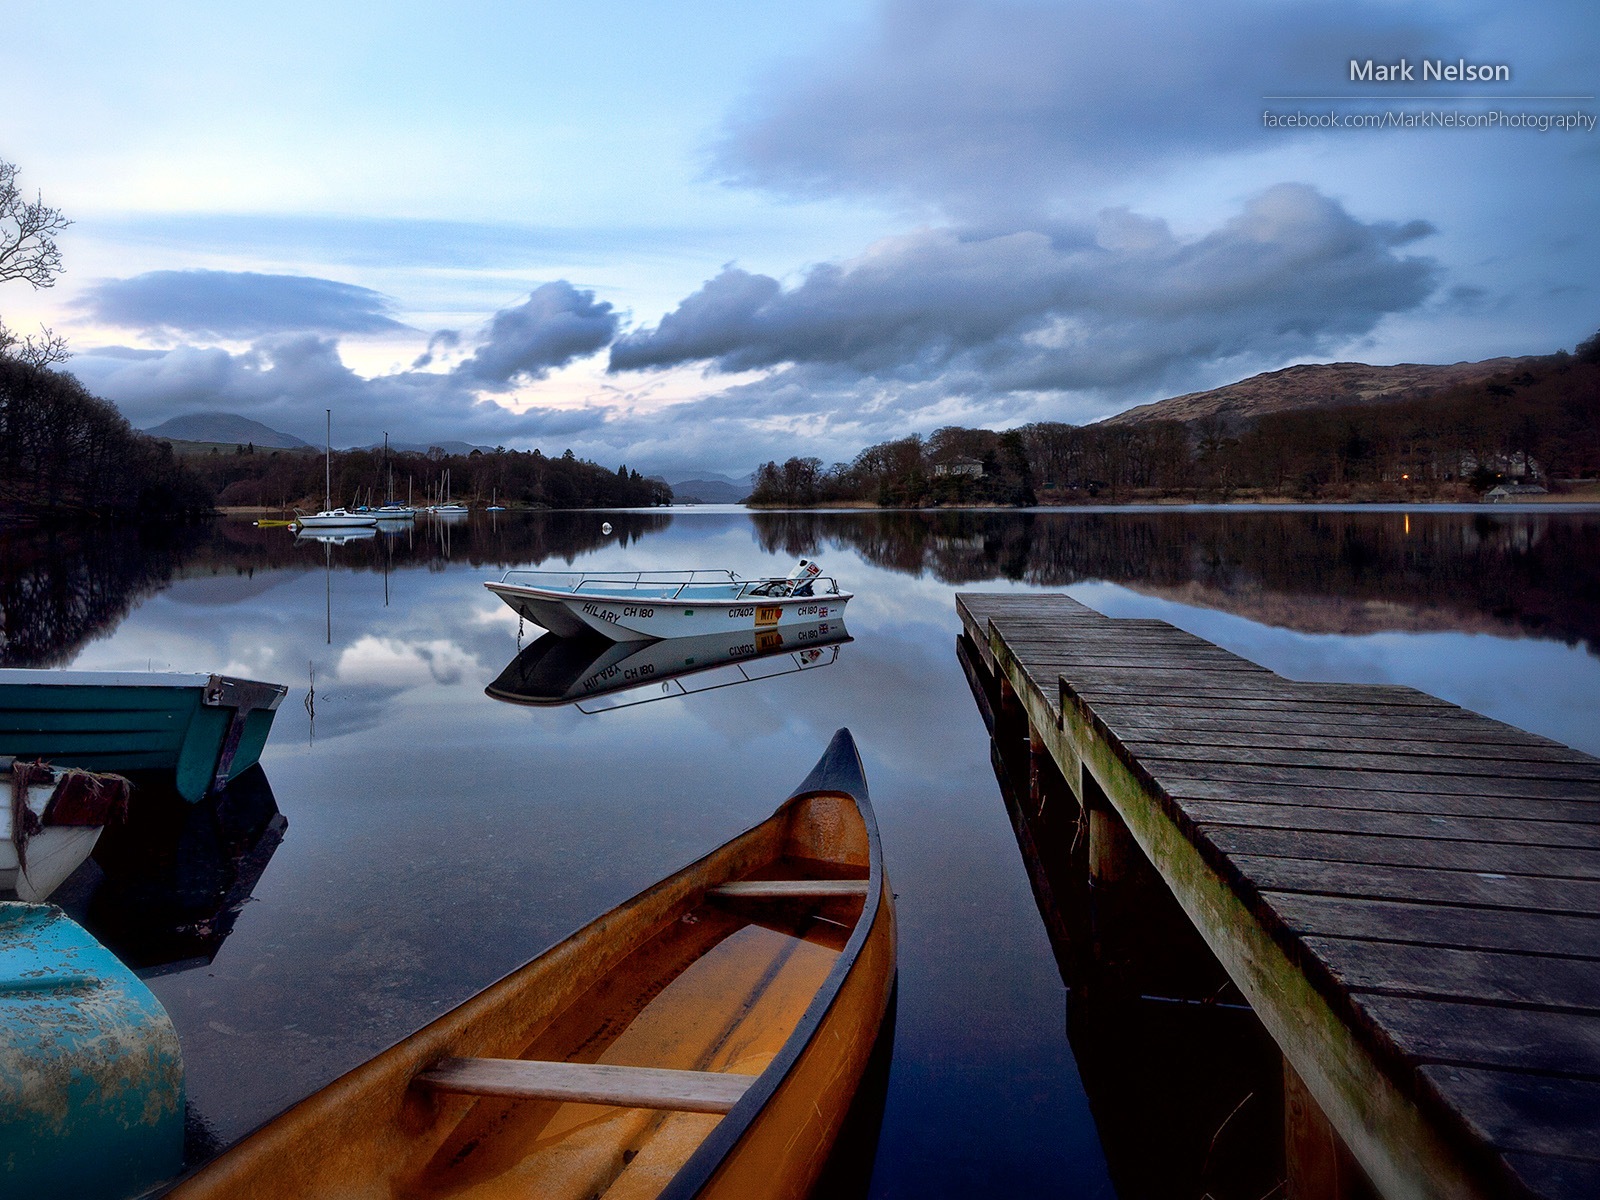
(60, 590)
(1314, 571)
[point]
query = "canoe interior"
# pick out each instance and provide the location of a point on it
(674, 978)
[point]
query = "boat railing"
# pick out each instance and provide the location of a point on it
(681, 582)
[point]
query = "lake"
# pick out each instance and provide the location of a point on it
(437, 837)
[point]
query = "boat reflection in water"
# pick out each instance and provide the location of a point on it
(336, 537)
(597, 674)
(166, 885)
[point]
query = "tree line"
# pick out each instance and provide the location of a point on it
(67, 454)
(1539, 424)
(255, 477)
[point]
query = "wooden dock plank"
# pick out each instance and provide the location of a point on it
(1463, 927)
(1411, 743)
(1565, 1043)
(1536, 1114)
(1383, 799)
(1552, 1175)
(1479, 889)
(1356, 849)
(1437, 725)
(1411, 764)
(1386, 822)
(1186, 770)
(1445, 973)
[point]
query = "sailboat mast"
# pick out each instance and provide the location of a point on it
(327, 466)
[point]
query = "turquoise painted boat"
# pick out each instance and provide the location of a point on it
(91, 1076)
(205, 729)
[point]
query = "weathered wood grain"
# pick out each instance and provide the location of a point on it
(1444, 973)
(1384, 821)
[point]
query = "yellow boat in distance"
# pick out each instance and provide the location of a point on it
(704, 1039)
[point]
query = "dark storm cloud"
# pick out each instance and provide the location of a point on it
(555, 325)
(237, 304)
(1118, 305)
(980, 105)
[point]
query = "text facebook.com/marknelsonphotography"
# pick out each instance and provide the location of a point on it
(1576, 121)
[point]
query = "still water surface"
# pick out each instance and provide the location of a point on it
(437, 837)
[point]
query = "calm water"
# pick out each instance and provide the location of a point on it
(437, 837)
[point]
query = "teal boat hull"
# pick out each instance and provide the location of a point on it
(205, 729)
(91, 1075)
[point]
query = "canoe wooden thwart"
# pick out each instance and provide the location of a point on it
(798, 889)
(589, 1083)
(704, 1039)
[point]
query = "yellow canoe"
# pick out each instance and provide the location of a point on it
(704, 1039)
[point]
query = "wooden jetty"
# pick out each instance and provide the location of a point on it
(1407, 893)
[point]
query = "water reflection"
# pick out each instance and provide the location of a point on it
(1315, 571)
(1348, 572)
(438, 838)
(169, 882)
(597, 674)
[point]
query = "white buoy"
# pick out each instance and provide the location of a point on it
(605, 527)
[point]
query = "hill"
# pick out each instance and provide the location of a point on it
(1317, 386)
(228, 429)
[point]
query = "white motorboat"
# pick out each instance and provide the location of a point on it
(634, 606)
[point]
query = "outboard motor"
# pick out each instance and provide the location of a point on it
(796, 583)
(800, 578)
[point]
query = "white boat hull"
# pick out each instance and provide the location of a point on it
(336, 518)
(642, 618)
(53, 853)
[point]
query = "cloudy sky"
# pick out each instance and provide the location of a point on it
(694, 236)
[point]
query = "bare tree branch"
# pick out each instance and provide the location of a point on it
(45, 350)
(28, 252)
(28, 249)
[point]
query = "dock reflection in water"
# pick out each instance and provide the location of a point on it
(1185, 1083)
(597, 674)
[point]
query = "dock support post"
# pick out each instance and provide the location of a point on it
(1318, 1164)
(1111, 846)
(1011, 710)
(1038, 762)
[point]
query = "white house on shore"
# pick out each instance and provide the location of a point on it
(959, 466)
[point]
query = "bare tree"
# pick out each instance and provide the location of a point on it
(28, 252)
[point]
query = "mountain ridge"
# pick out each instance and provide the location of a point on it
(224, 427)
(1317, 385)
